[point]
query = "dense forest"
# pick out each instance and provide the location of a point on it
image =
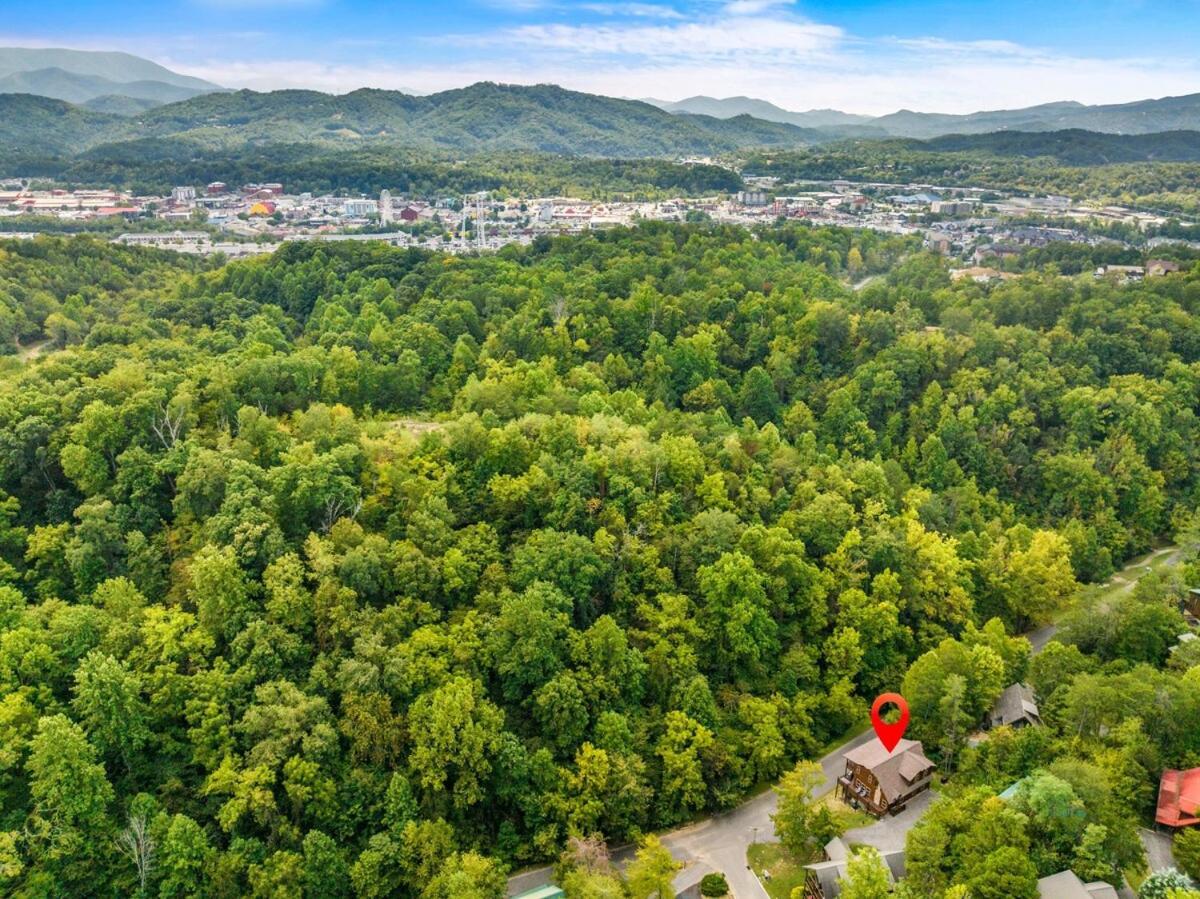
(353, 570)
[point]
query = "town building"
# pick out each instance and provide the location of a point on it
(359, 208)
(914, 200)
(1179, 798)
(1156, 268)
(1124, 273)
(1067, 885)
(995, 251)
(881, 781)
(951, 207)
(980, 274)
(753, 197)
(1016, 708)
(940, 243)
(821, 878)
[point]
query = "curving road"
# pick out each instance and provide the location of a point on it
(719, 843)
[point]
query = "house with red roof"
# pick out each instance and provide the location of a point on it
(1179, 798)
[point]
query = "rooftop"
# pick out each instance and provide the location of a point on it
(1067, 885)
(897, 770)
(1179, 798)
(828, 873)
(1016, 703)
(550, 891)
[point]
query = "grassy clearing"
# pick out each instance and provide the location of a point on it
(31, 352)
(1126, 579)
(846, 817)
(786, 869)
(778, 869)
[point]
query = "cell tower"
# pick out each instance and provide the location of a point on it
(473, 203)
(480, 227)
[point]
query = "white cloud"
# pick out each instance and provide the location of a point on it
(968, 48)
(717, 38)
(521, 6)
(753, 7)
(762, 51)
(872, 78)
(633, 10)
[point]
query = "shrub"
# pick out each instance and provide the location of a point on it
(1160, 884)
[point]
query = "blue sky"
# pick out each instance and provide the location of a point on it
(870, 56)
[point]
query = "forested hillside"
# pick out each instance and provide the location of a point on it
(360, 571)
(1073, 147)
(481, 117)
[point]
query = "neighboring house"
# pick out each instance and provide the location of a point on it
(1156, 268)
(1190, 606)
(1015, 708)
(1067, 885)
(1179, 798)
(1124, 273)
(821, 878)
(995, 251)
(550, 891)
(882, 781)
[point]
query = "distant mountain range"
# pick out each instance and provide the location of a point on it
(65, 102)
(478, 118)
(117, 82)
(732, 107)
(1140, 117)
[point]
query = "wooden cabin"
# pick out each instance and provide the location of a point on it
(1015, 708)
(881, 781)
(822, 879)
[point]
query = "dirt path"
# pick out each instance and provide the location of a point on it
(415, 425)
(870, 279)
(31, 352)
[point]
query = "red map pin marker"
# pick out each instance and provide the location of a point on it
(889, 734)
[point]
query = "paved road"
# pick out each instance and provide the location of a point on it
(720, 842)
(1158, 849)
(890, 832)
